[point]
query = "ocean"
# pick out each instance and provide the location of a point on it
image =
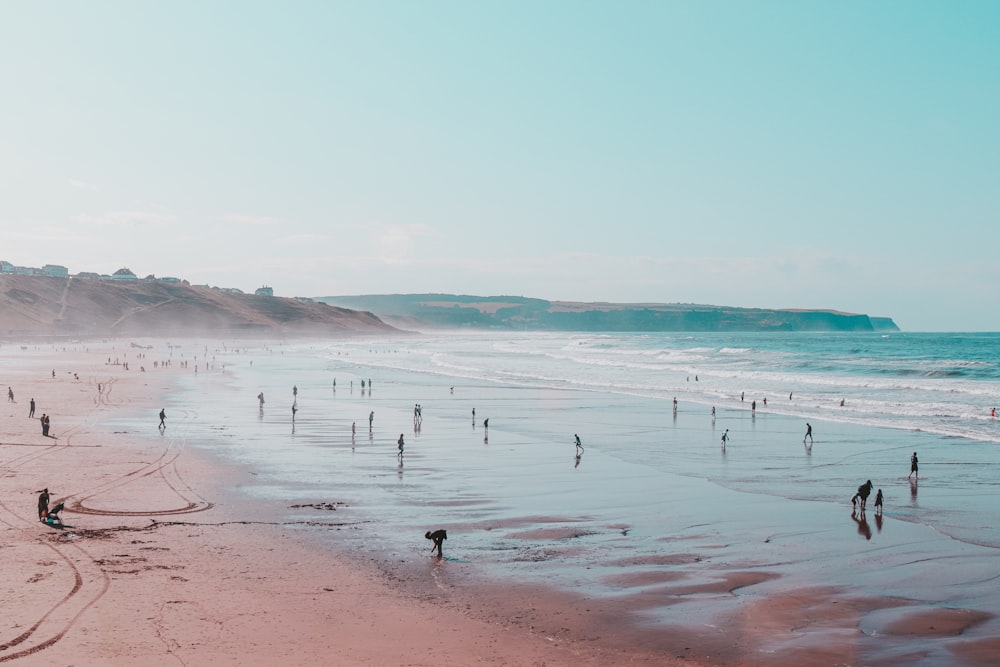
(654, 496)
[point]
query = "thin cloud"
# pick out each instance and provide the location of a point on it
(123, 218)
(83, 185)
(250, 220)
(395, 242)
(303, 238)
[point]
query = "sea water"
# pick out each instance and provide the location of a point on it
(867, 395)
(516, 499)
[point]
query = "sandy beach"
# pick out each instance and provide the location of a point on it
(232, 537)
(161, 562)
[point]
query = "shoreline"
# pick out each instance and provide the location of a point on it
(728, 537)
(197, 551)
(168, 561)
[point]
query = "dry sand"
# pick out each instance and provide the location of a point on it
(162, 563)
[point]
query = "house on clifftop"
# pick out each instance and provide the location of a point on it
(264, 291)
(55, 270)
(124, 274)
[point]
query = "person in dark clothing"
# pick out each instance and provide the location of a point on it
(864, 491)
(437, 537)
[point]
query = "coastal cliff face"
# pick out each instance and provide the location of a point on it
(519, 313)
(42, 305)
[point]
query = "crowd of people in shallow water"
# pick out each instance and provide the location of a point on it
(858, 500)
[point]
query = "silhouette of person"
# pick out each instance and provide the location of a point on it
(437, 537)
(31, 408)
(399, 443)
(579, 447)
(863, 492)
(163, 419)
(914, 469)
(809, 433)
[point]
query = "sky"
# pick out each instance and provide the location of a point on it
(794, 154)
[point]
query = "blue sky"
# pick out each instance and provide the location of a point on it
(763, 154)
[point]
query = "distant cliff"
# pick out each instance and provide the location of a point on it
(519, 313)
(42, 305)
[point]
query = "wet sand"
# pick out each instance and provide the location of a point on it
(233, 538)
(164, 561)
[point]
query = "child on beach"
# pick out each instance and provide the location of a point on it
(878, 502)
(725, 438)
(43, 503)
(399, 443)
(913, 466)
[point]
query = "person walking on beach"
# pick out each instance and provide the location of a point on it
(45, 424)
(31, 408)
(725, 438)
(809, 434)
(43, 503)
(913, 466)
(399, 444)
(354, 428)
(713, 412)
(486, 423)
(10, 395)
(371, 418)
(579, 447)
(260, 399)
(163, 418)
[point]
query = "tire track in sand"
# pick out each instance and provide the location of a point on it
(90, 580)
